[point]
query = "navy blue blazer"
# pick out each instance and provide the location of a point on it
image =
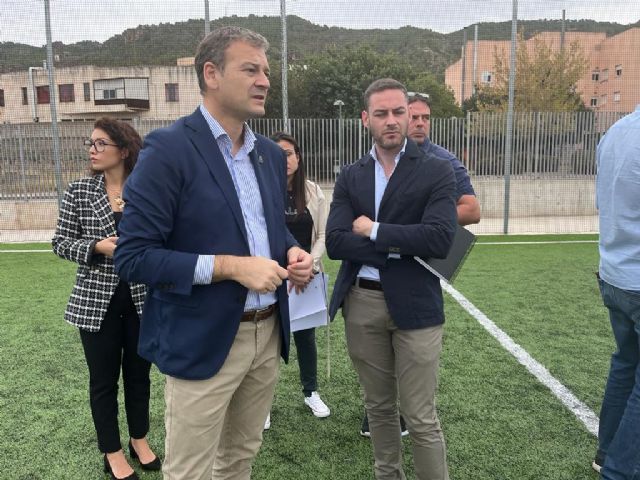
(417, 217)
(181, 202)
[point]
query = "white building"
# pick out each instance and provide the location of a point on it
(88, 92)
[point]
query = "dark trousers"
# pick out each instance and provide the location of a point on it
(114, 346)
(307, 359)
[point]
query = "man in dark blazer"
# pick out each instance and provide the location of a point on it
(393, 204)
(204, 229)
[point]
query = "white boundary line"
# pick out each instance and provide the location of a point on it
(26, 251)
(579, 409)
(549, 242)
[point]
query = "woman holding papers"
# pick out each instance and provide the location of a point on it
(306, 218)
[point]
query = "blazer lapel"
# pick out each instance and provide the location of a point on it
(406, 165)
(102, 208)
(265, 194)
(204, 141)
(365, 180)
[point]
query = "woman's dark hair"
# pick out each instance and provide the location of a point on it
(298, 182)
(123, 135)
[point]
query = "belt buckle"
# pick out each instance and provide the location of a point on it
(259, 312)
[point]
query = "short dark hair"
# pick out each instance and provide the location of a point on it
(212, 48)
(380, 85)
(124, 136)
(298, 182)
(419, 97)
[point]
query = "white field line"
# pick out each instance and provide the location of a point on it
(26, 251)
(550, 242)
(579, 409)
(477, 243)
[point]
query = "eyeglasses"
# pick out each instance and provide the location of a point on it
(98, 144)
(418, 95)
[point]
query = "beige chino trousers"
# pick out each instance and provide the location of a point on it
(214, 426)
(389, 362)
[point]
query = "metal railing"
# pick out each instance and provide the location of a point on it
(557, 145)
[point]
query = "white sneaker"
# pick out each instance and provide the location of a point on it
(317, 406)
(267, 422)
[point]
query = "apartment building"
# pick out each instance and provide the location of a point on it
(611, 83)
(88, 92)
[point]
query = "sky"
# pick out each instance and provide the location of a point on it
(23, 21)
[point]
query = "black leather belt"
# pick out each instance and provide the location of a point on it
(260, 314)
(368, 284)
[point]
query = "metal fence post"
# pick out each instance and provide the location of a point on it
(23, 173)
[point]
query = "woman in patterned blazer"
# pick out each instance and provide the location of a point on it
(106, 309)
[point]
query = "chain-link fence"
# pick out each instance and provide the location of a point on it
(141, 70)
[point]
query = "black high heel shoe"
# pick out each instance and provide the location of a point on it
(107, 469)
(153, 465)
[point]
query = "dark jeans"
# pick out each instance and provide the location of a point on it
(115, 346)
(619, 432)
(307, 359)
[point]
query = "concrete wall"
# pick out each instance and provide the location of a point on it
(546, 205)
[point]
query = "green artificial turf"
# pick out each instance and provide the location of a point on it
(499, 422)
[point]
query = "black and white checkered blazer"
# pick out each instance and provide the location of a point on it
(85, 218)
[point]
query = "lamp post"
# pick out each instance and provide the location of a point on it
(339, 103)
(284, 66)
(207, 23)
(55, 135)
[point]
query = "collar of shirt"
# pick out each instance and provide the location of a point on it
(223, 138)
(397, 157)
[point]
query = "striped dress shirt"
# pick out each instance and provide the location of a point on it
(248, 191)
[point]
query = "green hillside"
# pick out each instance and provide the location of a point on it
(162, 44)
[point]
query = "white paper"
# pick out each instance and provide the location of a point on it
(308, 309)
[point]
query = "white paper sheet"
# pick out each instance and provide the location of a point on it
(309, 308)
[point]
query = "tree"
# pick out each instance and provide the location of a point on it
(545, 80)
(340, 74)
(441, 98)
(317, 81)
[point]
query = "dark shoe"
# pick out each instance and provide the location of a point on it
(153, 465)
(598, 462)
(403, 428)
(365, 432)
(107, 469)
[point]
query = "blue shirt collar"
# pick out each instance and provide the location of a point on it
(396, 159)
(218, 132)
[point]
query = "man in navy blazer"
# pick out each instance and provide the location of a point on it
(393, 204)
(204, 228)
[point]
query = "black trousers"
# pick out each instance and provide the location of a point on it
(307, 359)
(106, 351)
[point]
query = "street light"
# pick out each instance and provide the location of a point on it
(339, 104)
(338, 166)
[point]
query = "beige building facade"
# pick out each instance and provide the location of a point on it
(88, 92)
(611, 83)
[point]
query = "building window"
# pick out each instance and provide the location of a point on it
(42, 94)
(605, 75)
(25, 96)
(66, 93)
(594, 102)
(618, 70)
(109, 94)
(87, 91)
(1, 97)
(486, 77)
(171, 92)
(603, 100)
(595, 75)
(616, 96)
